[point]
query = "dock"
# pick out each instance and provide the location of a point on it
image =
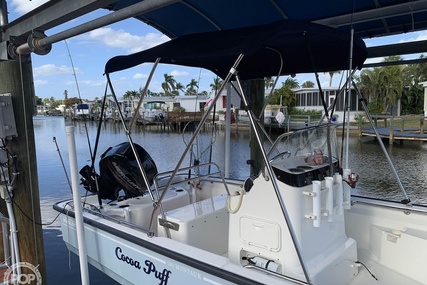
(394, 128)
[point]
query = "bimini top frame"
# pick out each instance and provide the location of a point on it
(252, 53)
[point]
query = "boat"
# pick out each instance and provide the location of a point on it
(81, 111)
(153, 112)
(293, 221)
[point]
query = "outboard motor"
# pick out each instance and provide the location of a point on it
(119, 171)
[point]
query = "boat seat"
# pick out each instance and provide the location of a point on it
(201, 223)
(138, 210)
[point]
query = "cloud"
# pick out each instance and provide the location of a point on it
(121, 39)
(140, 76)
(52, 69)
(22, 7)
(40, 82)
(418, 36)
(91, 83)
(176, 73)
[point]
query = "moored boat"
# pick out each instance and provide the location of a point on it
(294, 222)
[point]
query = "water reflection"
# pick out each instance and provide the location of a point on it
(165, 147)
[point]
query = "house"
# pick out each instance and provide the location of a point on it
(309, 99)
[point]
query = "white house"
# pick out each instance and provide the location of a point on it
(309, 99)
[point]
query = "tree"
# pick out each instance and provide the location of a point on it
(178, 87)
(65, 94)
(285, 95)
(217, 82)
(169, 84)
(382, 86)
(269, 82)
(308, 84)
(131, 95)
(290, 82)
(369, 83)
(70, 102)
(191, 87)
(331, 76)
(39, 101)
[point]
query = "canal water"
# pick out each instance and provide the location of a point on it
(366, 159)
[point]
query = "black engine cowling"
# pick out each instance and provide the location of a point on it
(119, 171)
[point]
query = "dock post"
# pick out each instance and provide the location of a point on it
(26, 190)
(391, 131)
(422, 125)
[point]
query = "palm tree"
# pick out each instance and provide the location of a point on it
(269, 82)
(169, 84)
(131, 94)
(308, 84)
(179, 87)
(370, 82)
(290, 82)
(191, 87)
(217, 82)
(331, 76)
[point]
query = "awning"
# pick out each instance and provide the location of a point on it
(305, 47)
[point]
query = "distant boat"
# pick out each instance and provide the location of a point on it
(81, 111)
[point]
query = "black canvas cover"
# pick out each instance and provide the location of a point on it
(304, 47)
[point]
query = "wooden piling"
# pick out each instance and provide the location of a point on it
(25, 191)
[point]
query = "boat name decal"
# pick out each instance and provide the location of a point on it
(129, 260)
(162, 276)
(150, 267)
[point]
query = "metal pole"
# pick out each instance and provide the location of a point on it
(3, 13)
(135, 115)
(84, 272)
(406, 201)
(122, 14)
(276, 189)
(227, 133)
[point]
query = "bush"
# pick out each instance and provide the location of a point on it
(294, 111)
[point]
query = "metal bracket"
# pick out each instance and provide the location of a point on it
(168, 224)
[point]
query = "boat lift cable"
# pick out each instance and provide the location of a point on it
(406, 201)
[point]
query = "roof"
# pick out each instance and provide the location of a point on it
(280, 48)
(176, 18)
(368, 18)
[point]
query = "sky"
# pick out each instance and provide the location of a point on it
(77, 64)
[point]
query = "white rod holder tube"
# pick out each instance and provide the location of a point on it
(329, 183)
(81, 243)
(346, 190)
(317, 199)
(339, 195)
